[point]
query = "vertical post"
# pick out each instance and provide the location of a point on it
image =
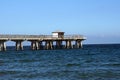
(81, 44)
(19, 45)
(47, 45)
(71, 44)
(59, 44)
(16, 46)
(37, 45)
(54, 44)
(2, 46)
(33, 45)
(51, 44)
(78, 44)
(67, 44)
(40, 45)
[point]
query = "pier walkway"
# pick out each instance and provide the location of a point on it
(43, 41)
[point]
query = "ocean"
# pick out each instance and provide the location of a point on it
(92, 62)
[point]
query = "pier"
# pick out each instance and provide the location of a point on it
(39, 42)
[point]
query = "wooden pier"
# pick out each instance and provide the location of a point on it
(55, 41)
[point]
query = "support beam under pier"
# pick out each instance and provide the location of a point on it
(2, 46)
(68, 44)
(40, 45)
(49, 45)
(35, 45)
(58, 44)
(19, 45)
(78, 44)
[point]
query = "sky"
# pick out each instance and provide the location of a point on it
(98, 20)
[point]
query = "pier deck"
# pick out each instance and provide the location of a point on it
(37, 41)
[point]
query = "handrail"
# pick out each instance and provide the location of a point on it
(42, 36)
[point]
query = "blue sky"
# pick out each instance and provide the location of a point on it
(98, 20)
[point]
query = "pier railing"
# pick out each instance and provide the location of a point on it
(40, 37)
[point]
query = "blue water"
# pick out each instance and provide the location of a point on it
(92, 62)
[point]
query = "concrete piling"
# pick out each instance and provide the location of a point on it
(19, 45)
(2, 46)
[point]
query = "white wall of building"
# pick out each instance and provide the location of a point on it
(55, 35)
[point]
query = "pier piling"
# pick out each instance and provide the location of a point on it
(2, 46)
(19, 45)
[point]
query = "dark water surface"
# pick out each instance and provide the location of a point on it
(92, 62)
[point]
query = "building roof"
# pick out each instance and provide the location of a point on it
(58, 31)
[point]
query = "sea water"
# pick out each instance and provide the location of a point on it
(92, 62)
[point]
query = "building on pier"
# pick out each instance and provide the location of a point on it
(58, 34)
(54, 41)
